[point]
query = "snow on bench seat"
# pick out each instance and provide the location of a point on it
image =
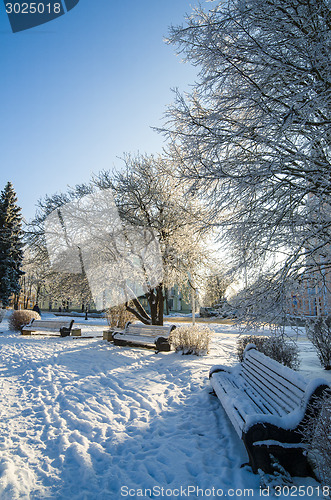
(140, 335)
(53, 327)
(266, 403)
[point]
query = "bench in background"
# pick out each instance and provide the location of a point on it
(267, 403)
(140, 335)
(62, 328)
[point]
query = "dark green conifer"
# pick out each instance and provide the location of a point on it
(11, 244)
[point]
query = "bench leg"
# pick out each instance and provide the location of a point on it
(64, 332)
(258, 459)
(108, 335)
(260, 456)
(293, 460)
(162, 344)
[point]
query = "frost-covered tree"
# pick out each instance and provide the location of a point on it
(57, 286)
(254, 134)
(147, 199)
(215, 286)
(11, 245)
(148, 194)
(29, 282)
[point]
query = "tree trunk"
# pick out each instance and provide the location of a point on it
(152, 299)
(138, 311)
(26, 301)
(16, 300)
(38, 293)
(166, 298)
(160, 303)
(156, 303)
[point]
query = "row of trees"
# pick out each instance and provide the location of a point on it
(146, 194)
(248, 156)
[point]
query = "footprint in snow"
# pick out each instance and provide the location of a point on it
(193, 468)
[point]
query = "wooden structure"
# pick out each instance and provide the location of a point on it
(39, 326)
(267, 403)
(140, 335)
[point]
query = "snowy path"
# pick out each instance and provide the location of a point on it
(81, 419)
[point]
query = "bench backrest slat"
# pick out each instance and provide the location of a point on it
(287, 375)
(284, 386)
(261, 405)
(270, 386)
(272, 403)
(49, 324)
(258, 392)
(281, 393)
(141, 331)
(152, 330)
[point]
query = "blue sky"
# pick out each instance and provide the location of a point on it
(78, 92)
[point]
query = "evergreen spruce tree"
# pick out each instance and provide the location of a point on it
(11, 244)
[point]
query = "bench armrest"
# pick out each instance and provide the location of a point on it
(220, 368)
(28, 324)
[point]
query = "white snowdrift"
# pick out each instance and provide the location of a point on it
(83, 419)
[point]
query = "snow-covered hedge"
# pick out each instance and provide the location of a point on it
(319, 333)
(244, 340)
(277, 347)
(192, 339)
(317, 435)
(20, 318)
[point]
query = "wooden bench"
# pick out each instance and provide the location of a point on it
(63, 328)
(140, 335)
(267, 403)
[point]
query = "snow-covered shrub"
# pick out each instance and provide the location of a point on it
(18, 319)
(191, 339)
(118, 316)
(317, 435)
(284, 350)
(319, 333)
(278, 347)
(244, 340)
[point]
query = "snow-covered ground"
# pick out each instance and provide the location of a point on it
(83, 419)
